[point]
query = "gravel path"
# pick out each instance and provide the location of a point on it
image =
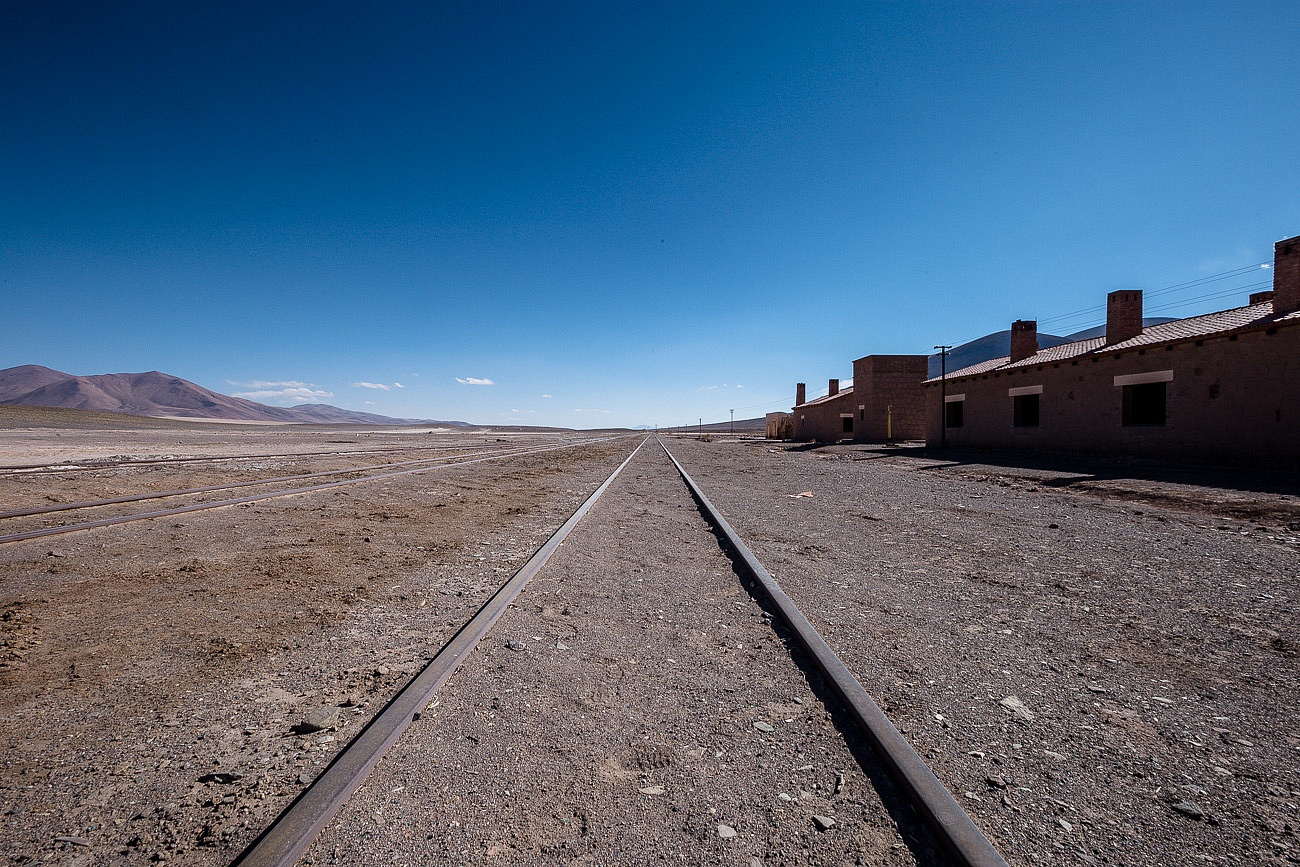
(1098, 681)
(634, 706)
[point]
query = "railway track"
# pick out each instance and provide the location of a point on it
(683, 664)
(114, 463)
(388, 472)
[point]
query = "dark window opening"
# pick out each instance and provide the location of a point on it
(954, 413)
(848, 424)
(1144, 405)
(1024, 410)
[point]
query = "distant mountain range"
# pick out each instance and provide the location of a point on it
(162, 395)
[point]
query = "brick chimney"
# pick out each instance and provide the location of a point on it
(1024, 339)
(833, 389)
(1261, 297)
(1123, 315)
(1286, 276)
(800, 393)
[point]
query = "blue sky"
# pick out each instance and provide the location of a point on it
(592, 214)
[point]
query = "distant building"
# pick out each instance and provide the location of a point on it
(1223, 386)
(780, 426)
(885, 402)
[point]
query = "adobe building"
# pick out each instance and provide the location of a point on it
(885, 402)
(827, 419)
(1224, 386)
(778, 426)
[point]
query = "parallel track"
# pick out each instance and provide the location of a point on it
(290, 835)
(252, 498)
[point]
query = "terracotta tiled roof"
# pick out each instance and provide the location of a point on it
(1224, 322)
(826, 398)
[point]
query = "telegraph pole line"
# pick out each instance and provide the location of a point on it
(943, 394)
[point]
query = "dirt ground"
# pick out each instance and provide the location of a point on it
(1102, 665)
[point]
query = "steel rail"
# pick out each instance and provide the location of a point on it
(950, 822)
(288, 837)
(157, 495)
(253, 498)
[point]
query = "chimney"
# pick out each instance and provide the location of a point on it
(800, 393)
(1261, 297)
(1123, 315)
(833, 389)
(1024, 339)
(1286, 276)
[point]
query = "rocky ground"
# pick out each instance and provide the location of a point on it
(1102, 665)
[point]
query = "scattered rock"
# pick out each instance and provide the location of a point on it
(318, 720)
(726, 832)
(1189, 809)
(652, 790)
(1065, 826)
(222, 777)
(1017, 708)
(763, 726)
(73, 841)
(823, 823)
(516, 645)
(997, 781)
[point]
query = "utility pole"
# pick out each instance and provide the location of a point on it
(733, 420)
(701, 428)
(943, 395)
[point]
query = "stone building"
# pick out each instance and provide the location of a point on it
(884, 403)
(1223, 386)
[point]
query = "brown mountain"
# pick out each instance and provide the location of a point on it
(28, 377)
(160, 394)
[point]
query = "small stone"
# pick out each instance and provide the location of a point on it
(726, 832)
(764, 727)
(516, 645)
(823, 823)
(1092, 687)
(222, 777)
(73, 841)
(1162, 700)
(1065, 826)
(652, 790)
(1017, 708)
(318, 720)
(304, 779)
(1189, 809)
(996, 781)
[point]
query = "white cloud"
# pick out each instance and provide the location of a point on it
(716, 387)
(606, 411)
(474, 380)
(548, 395)
(379, 385)
(298, 392)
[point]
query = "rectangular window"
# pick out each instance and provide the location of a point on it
(1144, 404)
(1024, 410)
(848, 424)
(954, 413)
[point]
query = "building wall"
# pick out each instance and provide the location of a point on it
(890, 400)
(780, 426)
(1230, 398)
(823, 421)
